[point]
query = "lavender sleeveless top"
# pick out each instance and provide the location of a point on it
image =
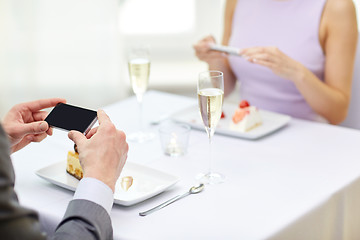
(293, 27)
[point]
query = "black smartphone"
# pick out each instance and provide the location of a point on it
(69, 117)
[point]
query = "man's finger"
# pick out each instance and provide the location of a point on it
(102, 117)
(49, 131)
(37, 138)
(32, 128)
(91, 132)
(77, 137)
(37, 105)
(40, 116)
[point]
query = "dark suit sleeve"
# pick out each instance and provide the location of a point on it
(83, 219)
(16, 222)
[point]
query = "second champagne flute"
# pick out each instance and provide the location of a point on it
(139, 71)
(210, 91)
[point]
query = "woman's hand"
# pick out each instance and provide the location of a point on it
(273, 58)
(204, 53)
(24, 123)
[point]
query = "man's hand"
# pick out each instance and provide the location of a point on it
(24, 123)
(103, 151)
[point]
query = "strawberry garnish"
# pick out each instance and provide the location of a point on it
(244, 104)
(222, 115)
(238, 115)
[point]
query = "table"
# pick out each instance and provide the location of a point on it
(302, 182)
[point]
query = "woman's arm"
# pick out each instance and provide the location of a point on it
(331, 99)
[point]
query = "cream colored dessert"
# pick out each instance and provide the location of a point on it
(126, 182)
(245, 118)
(73, 166)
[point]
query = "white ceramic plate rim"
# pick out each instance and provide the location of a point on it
(271, 122)
(56, 174)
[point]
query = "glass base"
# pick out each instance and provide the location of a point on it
(140, 137)
(174, 152)
(211, 178)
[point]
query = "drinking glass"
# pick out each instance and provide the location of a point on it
(174, 138)
(210, 90)
(139, 71)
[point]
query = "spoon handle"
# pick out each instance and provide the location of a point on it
(164, 204)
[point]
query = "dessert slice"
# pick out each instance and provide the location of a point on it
(73, 166)
(245, 118)
(126, 182)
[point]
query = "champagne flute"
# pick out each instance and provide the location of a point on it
(139, 71)
(210, 90)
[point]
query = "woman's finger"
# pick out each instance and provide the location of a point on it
(259, 56)
(264, 63)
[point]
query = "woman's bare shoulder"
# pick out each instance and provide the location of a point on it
(340, 8)
(339, 18)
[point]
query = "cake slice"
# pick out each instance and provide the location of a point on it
(73, 166)
(245, 118)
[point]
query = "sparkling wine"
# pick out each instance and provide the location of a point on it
(210, 103)
(139, 70)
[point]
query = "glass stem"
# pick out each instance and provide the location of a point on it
(140, 115)
(210, 152)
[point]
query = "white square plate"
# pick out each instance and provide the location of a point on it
(147, 182)
(271, 122)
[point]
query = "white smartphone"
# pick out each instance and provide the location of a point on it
(226, 49)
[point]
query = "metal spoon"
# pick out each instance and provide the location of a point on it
(193, 190)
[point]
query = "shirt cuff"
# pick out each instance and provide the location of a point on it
(95, 191)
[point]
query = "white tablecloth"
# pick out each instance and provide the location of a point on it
(302, 182)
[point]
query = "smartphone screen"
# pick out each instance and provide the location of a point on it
(68, 117)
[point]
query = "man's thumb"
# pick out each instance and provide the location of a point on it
(34, 128)
(76, 137)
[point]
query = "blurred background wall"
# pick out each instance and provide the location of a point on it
(76, 49)
(59, 48)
